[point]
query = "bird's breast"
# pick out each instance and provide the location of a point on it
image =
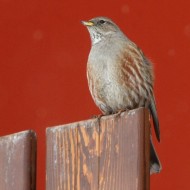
(103, 84)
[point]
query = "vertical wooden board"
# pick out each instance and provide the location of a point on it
(122, 158)
(18, 161)
(108, 153)
(61, 158)
(147, 149)
(88, 155)
(72, 156)
(112, 155)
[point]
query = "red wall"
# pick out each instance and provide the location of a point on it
(44, 50)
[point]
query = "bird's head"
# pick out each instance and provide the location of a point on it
(100, 28)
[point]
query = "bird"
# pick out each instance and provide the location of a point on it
(119, 75)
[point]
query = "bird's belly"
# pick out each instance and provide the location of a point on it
(109, 96)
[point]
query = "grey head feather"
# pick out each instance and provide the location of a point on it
(101, 28)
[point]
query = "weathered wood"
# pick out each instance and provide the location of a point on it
(88, 155)
(18, 161)
(123, 161)
(61, 158)
(72, 156)
(100, 154)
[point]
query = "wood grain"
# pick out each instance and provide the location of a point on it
(123, 160)
(61, 158)
(88, 155)
(18, 161)
(72, 156)
(107, 154)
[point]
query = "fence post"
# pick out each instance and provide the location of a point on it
(100, 154)
(18, 161)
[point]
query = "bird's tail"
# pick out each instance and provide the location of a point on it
(155, 165)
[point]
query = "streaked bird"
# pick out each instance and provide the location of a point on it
(120, 77)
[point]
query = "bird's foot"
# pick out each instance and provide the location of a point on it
(121, 111)
(97, 116)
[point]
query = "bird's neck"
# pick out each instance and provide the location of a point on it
(96, 37)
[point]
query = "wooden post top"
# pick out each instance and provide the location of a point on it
(109, 153)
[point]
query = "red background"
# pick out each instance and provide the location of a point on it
(44, 50)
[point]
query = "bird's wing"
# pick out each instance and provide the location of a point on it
(152, 107)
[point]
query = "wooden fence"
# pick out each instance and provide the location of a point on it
(110, 153)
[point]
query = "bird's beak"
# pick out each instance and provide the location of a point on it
(87, 23)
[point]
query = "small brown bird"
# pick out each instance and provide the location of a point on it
(120, 77)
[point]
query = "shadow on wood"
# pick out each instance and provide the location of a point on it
(18, 161)
(107, 154)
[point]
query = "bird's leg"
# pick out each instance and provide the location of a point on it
(118, 113)
(97, 116)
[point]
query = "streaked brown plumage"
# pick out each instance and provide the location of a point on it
(120, 77)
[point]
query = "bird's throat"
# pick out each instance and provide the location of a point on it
(96, 37)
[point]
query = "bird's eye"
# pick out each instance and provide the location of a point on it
(101, 21)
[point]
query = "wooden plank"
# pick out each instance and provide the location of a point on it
(107, 154)
(61, 159)
(18, 161)
(123, 161)
(146, 150)
(88, 155)
(72, 156)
